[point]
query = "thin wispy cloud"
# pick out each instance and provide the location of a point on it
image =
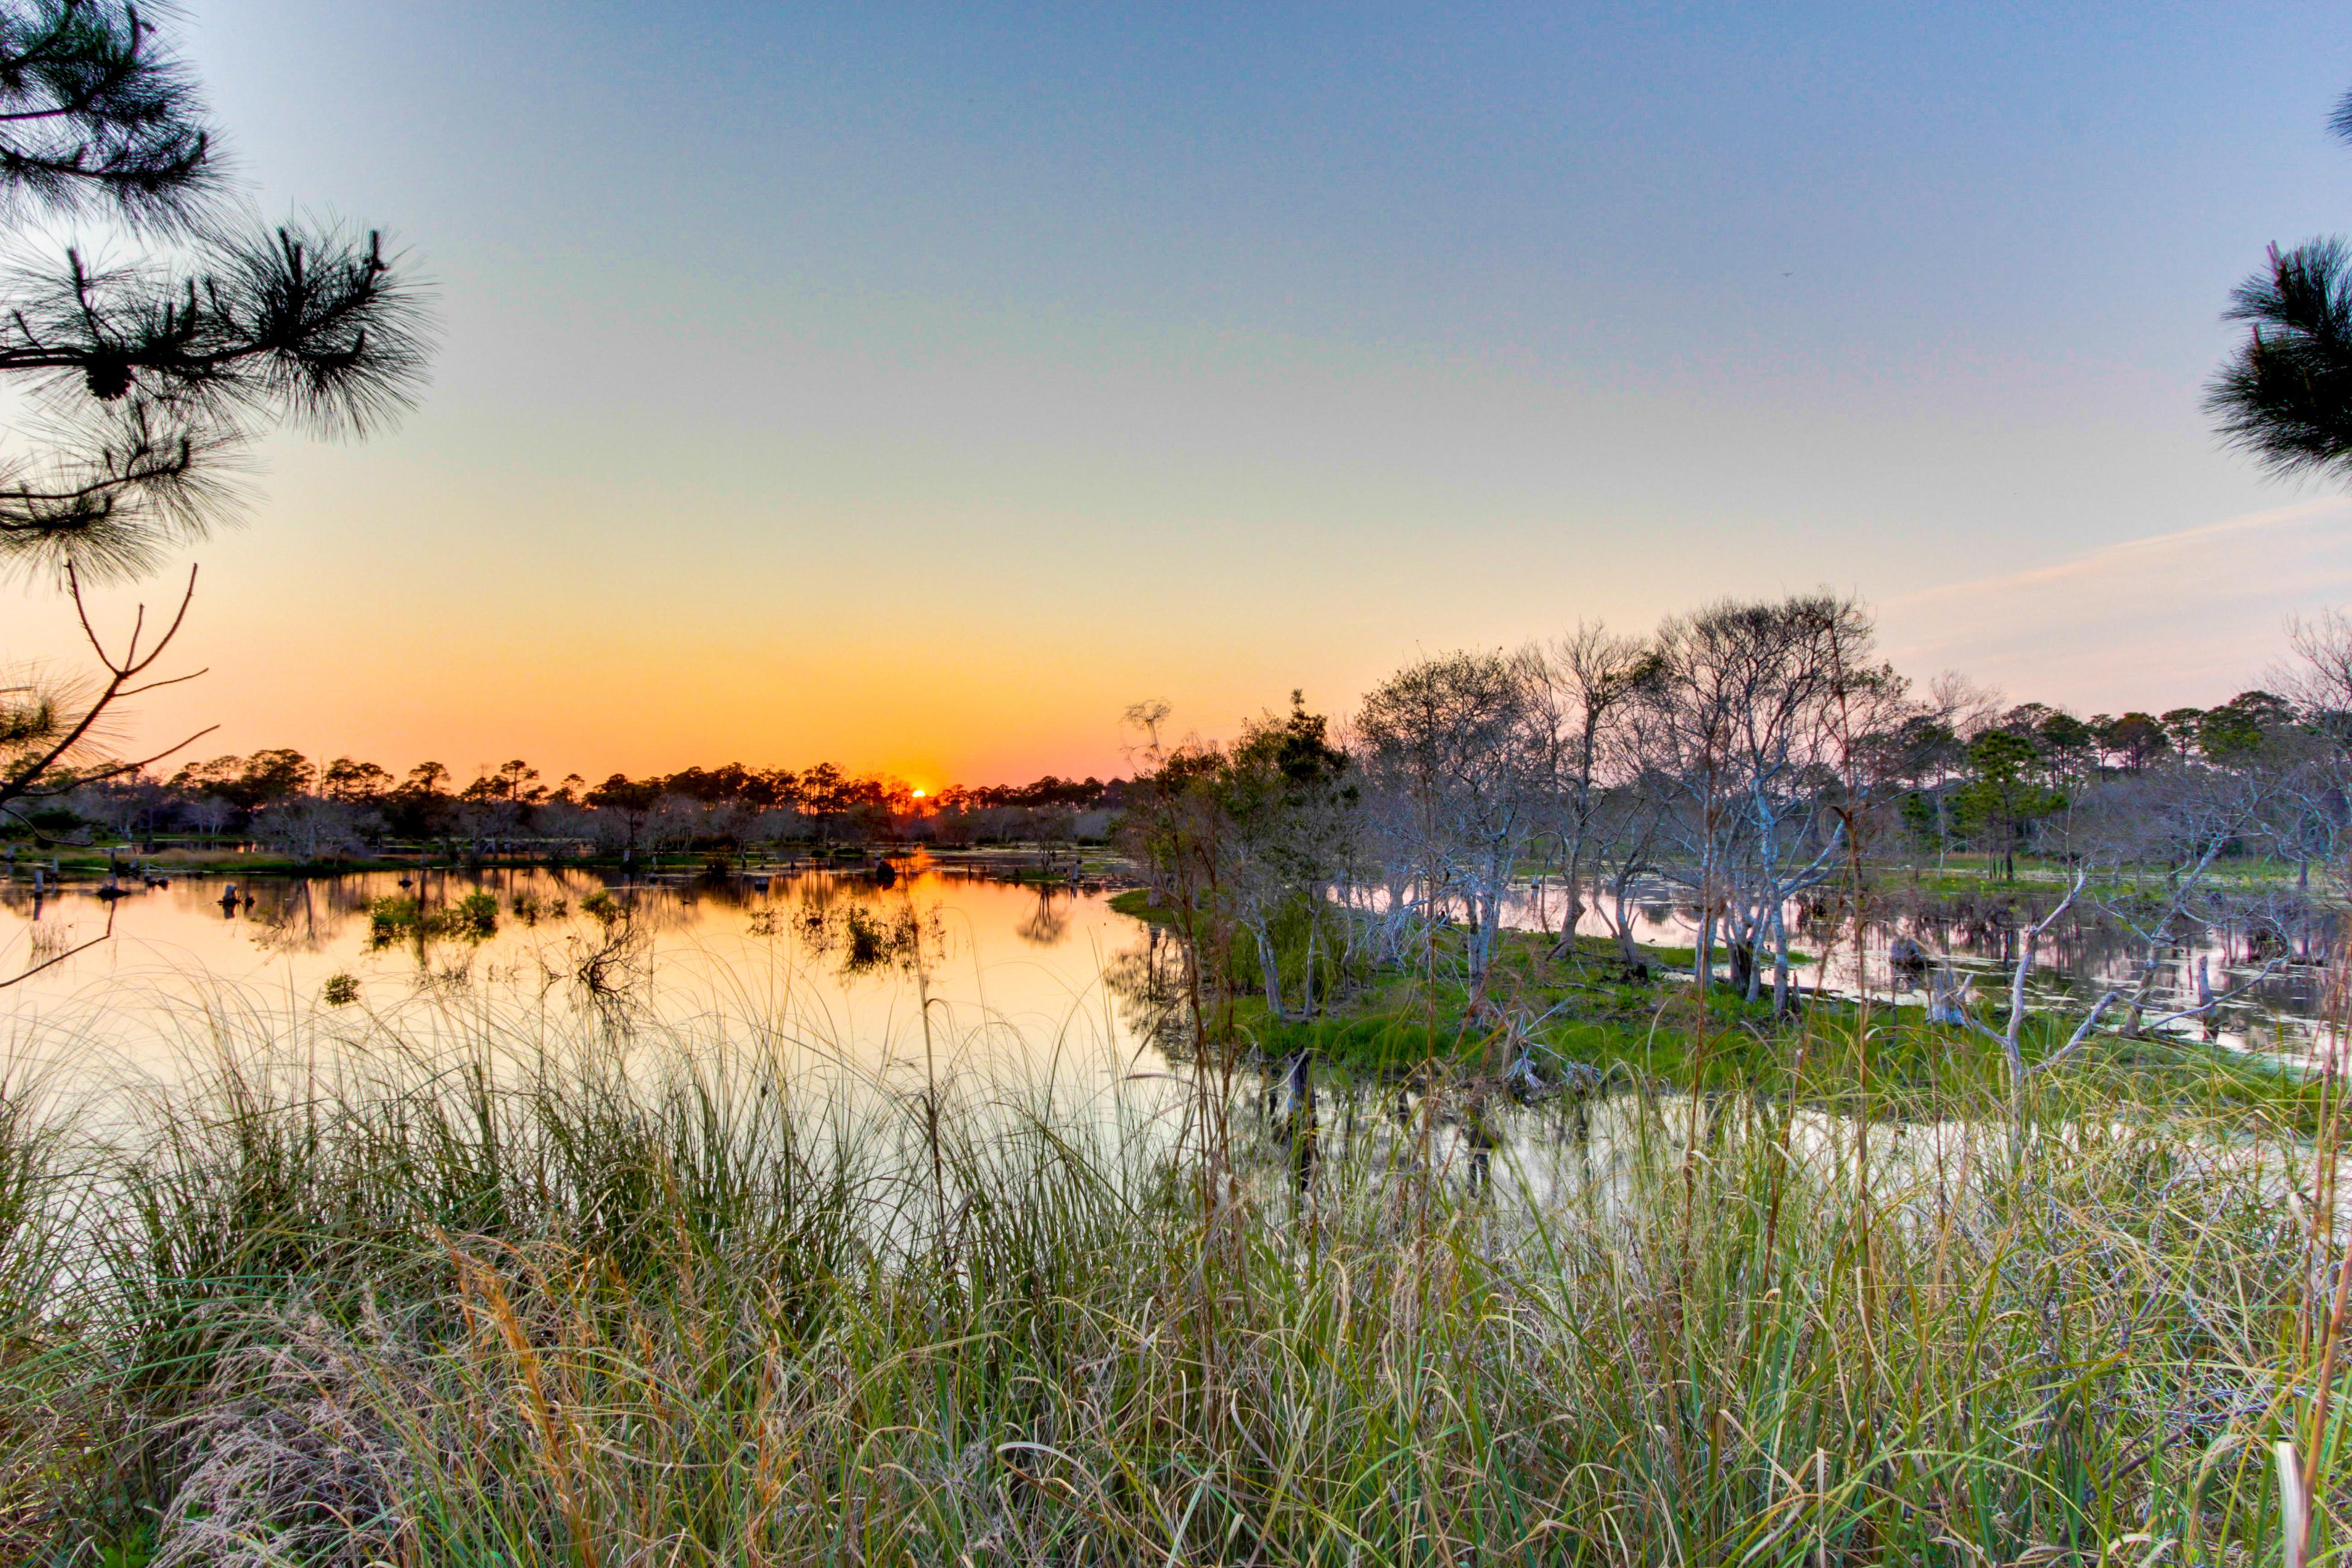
(2189, 616)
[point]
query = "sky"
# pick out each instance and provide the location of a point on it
(919, 387)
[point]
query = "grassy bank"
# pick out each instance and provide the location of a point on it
(1828, 1058)
(545, 1301)
(1579, 1016)
(1138, 903)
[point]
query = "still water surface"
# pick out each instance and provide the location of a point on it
(2272, 979)
(831, 962)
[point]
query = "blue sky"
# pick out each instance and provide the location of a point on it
(918, 387)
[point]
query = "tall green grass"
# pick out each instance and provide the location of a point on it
(677, 1302)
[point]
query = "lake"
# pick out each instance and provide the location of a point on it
(828, 961)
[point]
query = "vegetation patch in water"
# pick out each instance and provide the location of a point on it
(473, 918)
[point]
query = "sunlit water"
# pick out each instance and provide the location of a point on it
(1008, 978)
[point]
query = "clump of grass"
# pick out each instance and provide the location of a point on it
(391, 919)
(868, 939)
(655, 1301)
(473, 918)
(52, 1429)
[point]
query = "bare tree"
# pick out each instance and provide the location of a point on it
(2155, 844)
(1624, 837)
(53, 736)
(1450, 741)
(312, 827)
(1745, 721)
(2010, 1037)
(2315, 784)
(1583, 697)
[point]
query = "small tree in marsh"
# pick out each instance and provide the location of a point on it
(1451, 741)
(1750, 726)
(2002, 796)
(1290, 798)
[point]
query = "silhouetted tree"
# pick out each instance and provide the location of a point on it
(141, 377)
(630, 803)
(246, 782)
(2136, 739)
(2287, 394)
(349, 779)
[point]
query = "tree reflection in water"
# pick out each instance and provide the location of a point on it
(1150, 986)
(1049, 922)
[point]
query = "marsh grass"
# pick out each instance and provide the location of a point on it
(685, 1301)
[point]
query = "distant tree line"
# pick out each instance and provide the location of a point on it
(1726, 751)
(283, 801)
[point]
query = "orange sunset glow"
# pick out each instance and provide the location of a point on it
(878, 469)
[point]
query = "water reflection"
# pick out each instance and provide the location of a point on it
(838, 952)
(2272, 952)
(829, 957)
(1048, 924)
(1151, 984)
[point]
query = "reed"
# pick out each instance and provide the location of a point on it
(680, 1301)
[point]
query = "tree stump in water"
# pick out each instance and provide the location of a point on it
(1908, 960)
(1948, 995)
